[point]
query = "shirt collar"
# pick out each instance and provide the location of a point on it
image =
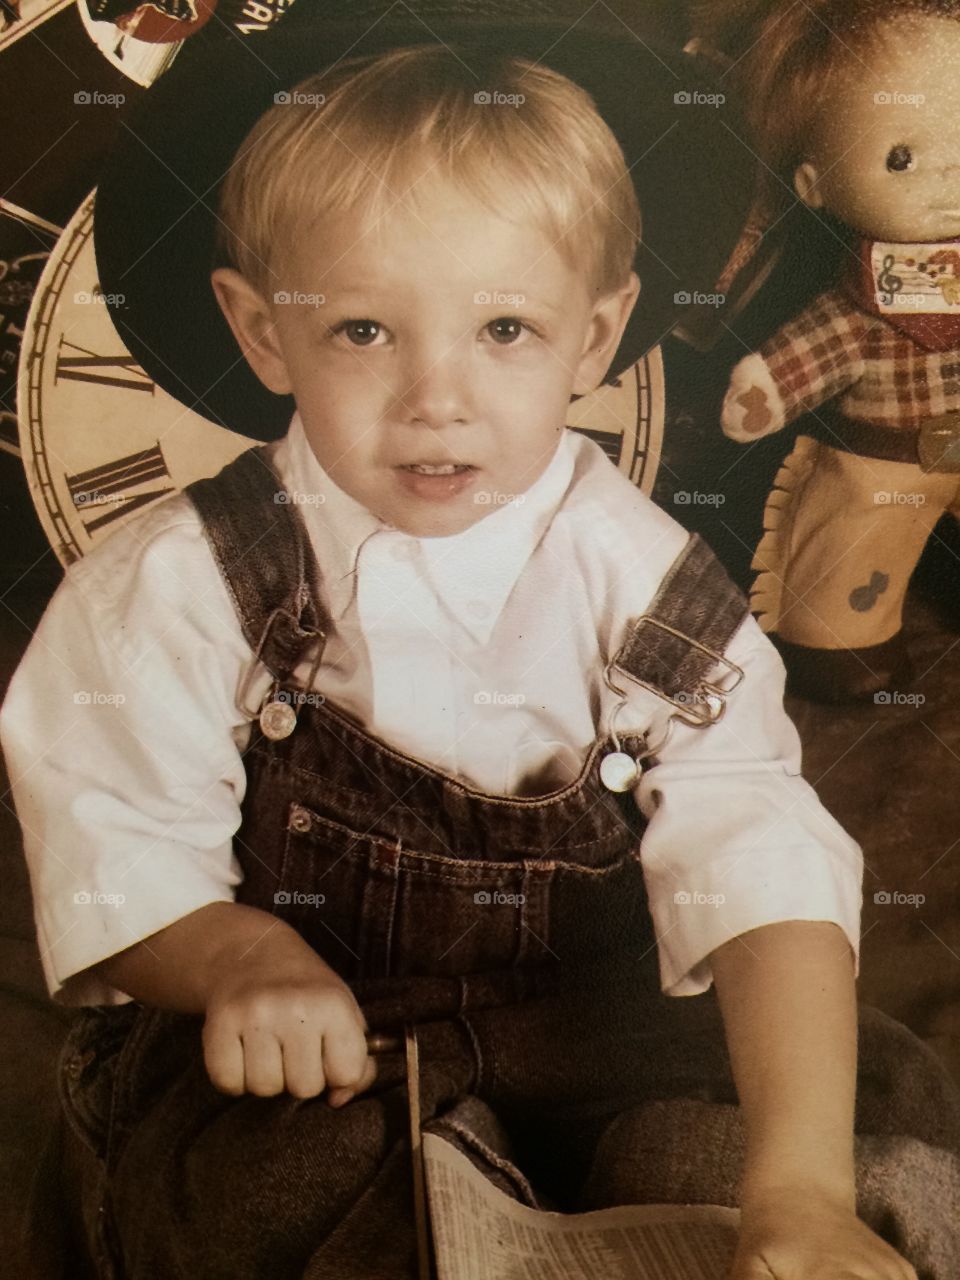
(472, 572)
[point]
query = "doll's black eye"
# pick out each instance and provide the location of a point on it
(900, 159)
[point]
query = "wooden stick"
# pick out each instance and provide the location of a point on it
(416, 1151)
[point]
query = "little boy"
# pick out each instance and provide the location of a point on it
(392, 745)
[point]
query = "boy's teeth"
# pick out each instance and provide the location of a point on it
(426, 469)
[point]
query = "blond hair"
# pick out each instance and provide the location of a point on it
(796, 54)
(522, 139)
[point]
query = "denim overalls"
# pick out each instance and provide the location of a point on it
(514, 932)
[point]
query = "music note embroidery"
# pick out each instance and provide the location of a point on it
(888, 283)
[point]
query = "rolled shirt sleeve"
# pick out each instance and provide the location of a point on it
(736, 838)
(120, 737)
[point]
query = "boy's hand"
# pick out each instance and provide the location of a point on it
(797, 1234)
(282, 1019)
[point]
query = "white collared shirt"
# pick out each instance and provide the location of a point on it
(481, 653)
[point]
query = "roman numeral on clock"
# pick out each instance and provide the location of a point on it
(89, 367)
(96, 487)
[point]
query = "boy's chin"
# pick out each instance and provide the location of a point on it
(436, 524)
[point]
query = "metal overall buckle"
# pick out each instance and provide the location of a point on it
(620, 771)
(277, 714)
(708, 701)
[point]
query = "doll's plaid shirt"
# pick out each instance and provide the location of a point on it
(834, 349)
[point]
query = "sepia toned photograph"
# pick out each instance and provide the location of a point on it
(480, 640)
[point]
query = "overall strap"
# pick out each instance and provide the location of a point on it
(673, 647)
(264, 555)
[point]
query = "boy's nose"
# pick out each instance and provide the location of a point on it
(437, 389)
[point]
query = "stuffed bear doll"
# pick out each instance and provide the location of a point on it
(858, 101)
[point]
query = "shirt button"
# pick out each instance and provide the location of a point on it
(477, 609)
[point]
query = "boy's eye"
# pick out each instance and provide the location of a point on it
(362, 333)
(900, 159)
(506, 329)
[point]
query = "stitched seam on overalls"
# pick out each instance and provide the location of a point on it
(502, 1163)
(535, 865)
(524, 803)
(478, 1055)
(270, 754)
(633, 738)
(467, 1025)
(371, 838)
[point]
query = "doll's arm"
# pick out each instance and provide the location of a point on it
(808, 361)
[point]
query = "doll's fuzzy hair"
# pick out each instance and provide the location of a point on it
(786, 55)
(356, 138)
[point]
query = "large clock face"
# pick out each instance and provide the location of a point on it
(101, 441)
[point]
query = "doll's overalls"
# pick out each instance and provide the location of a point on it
(514, 933)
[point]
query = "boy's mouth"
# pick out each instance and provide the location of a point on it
(437, 481)
(437, 468)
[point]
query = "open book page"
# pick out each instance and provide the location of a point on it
(480, 1233)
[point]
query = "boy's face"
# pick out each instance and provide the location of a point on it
(447, 338)
(887, 161)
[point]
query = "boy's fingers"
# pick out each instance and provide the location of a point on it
(223, 1057)
(337, 1097)
(369, 1075)
(344, 1057)
(303, 1066)
(262, 1064)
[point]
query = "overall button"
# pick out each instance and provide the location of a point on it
(278, 720)
(619, 772)
(300, 819)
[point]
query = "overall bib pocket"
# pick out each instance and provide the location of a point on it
(374, 908)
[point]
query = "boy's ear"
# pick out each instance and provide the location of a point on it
(610, 316)
(805, 179)
(248, 315)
